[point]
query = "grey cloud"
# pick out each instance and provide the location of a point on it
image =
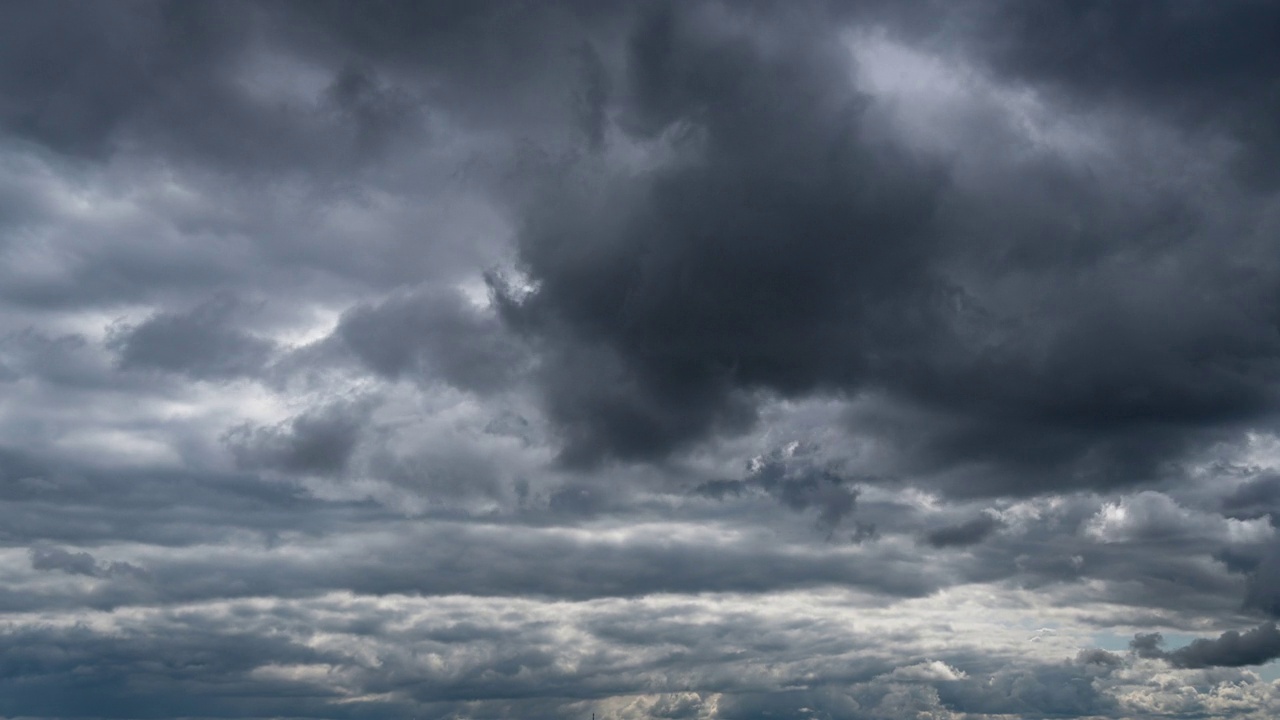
(1214, 70)
(180, 79)
(65, 359)
(1177, 576)
(785, 704)
(172, 663)
(375, 110)
(487, 61)
(1037, 690)
(499, 562)
(824, 490)
(202, 343)
(969, 532)
(1255, 498)
(1043, 690)
(1096, 656)
(76, 101)
(489, 671)
(44, 557)
(1264, 583)
(71, 507)
(188, 671)
(511, 424)
(578, 500)
(53, 558)
(863, 532)
(47, 500)
(433, 334)
(1231, 649)
(1242, 560)
(798, 481)
(1147, 645)
(454, 471)
(320, 441)
(592, 99)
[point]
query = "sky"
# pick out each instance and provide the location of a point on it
(705, 360)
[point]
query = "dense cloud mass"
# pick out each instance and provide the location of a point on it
(1232, 649)
(645, 359)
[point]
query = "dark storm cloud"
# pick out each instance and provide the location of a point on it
(202, 82)
(1014, 323)
(1264, 581)
(128, 61)
(1209, 65)
(1231, 649)
(486, 61)
(74, 101)
(785, 244)
(178, 78)
(1257, 497)
(593, 96)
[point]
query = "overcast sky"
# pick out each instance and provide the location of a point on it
(693, 360)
